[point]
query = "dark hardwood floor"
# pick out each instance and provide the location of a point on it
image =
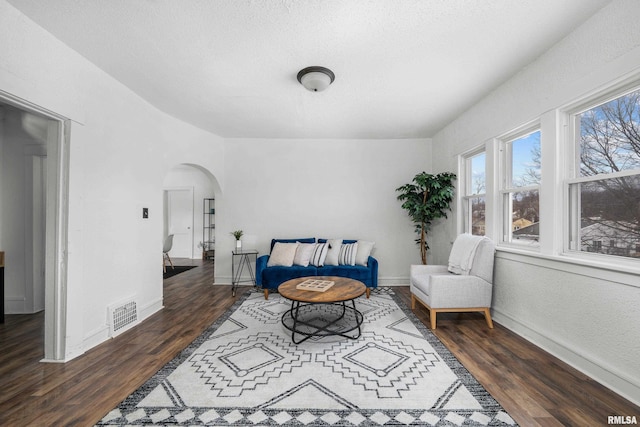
(534, 387)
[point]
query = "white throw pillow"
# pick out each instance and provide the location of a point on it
(348, 254)
(333, 252)
(364, 250)
(319, 254)
(303, 254)
(282, 254)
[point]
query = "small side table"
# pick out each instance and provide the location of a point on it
(242, 258)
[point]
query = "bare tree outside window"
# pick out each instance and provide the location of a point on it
(610, 153)
(522, 196)
(610, 136)
(474, 194)
(478, 175)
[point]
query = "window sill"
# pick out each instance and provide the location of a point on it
(622, 271)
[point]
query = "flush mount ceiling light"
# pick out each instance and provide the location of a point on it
(316, 79)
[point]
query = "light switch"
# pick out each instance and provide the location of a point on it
(145, 213)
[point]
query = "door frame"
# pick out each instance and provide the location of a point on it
(56, 228)
(35, 157)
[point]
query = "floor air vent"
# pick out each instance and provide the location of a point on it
(122, 316)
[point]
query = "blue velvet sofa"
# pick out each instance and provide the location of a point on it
(269, 278)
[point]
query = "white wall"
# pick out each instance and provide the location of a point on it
(587, 316)
(289, 188)
(121, 149)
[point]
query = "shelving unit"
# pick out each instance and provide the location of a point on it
(208, 228)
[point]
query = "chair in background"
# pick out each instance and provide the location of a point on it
(464, 285)
(168, 244)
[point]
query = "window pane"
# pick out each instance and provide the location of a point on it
(478, 176)
(525, 218)
(610, 136)
(609, 220)
(477, 216)
(525, 160)
(475, 188)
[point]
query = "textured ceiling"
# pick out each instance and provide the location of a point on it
(404, 68)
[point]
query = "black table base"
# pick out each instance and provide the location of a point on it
(322, 320)
(243, 260)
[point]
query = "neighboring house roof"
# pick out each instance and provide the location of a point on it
(607, 230)
(520, 223)
(533, 229)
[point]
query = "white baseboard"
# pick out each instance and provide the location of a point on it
(94, 338)
(14, 305)
(151, 308)
(101, 334)
(608, 376)
(224, 280)
(393, 281)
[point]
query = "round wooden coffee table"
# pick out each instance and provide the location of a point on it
(321, 314)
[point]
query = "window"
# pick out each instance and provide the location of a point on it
(520, 191)
(604, 196)
(474, 191)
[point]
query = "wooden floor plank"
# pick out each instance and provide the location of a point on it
(534, 387)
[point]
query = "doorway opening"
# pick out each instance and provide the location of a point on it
(187, 216)
(33, 215)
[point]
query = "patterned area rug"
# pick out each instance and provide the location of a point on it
(245, 370)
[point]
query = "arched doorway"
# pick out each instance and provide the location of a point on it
(189, 194)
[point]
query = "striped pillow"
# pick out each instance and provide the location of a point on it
(319, 254)
(348, 254)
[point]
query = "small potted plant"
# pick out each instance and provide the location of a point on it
(238, 235)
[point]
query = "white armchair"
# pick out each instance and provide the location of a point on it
(465, 284)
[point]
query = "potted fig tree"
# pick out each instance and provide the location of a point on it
(427, 198)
